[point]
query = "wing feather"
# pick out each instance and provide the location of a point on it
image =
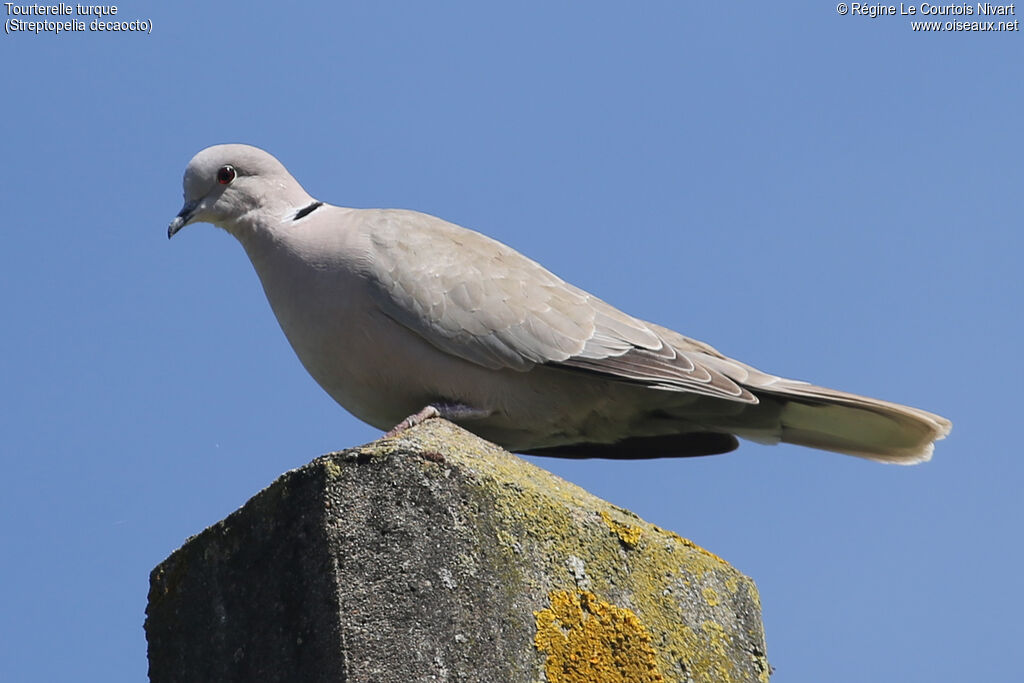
(482, 301)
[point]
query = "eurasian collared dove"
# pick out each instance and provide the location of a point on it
(401, 316)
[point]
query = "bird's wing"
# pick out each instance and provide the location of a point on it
(482, 301)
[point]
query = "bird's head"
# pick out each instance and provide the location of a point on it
(225, 184)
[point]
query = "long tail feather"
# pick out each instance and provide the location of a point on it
(856, 425)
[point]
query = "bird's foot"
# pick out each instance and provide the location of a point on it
(449, 411)
(413, 420)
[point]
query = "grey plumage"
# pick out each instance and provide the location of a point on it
(393, 310)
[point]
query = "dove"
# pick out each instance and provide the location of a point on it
(401, 316)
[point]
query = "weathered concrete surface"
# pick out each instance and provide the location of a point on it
(436, 556)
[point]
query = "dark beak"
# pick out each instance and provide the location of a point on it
(182, 219)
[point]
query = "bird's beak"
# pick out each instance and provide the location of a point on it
(183, 218)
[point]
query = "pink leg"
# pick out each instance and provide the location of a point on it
(449, 411)
(413, 420)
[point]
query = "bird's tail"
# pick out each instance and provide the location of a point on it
(833, 420)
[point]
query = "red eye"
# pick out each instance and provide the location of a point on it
(225, 174)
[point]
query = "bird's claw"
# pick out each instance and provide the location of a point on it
(413, 420)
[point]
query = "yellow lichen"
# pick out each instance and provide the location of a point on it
(545, 520)
(588, 640)
(719, 640)
(333, 469)
(707, 654)
(628, 534)
(687, 542)
(710, 595)
(764, 670)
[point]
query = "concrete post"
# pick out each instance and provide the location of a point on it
(436, 556)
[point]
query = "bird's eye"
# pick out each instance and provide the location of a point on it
(225, 174)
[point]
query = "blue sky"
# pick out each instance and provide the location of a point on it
(833, 198)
